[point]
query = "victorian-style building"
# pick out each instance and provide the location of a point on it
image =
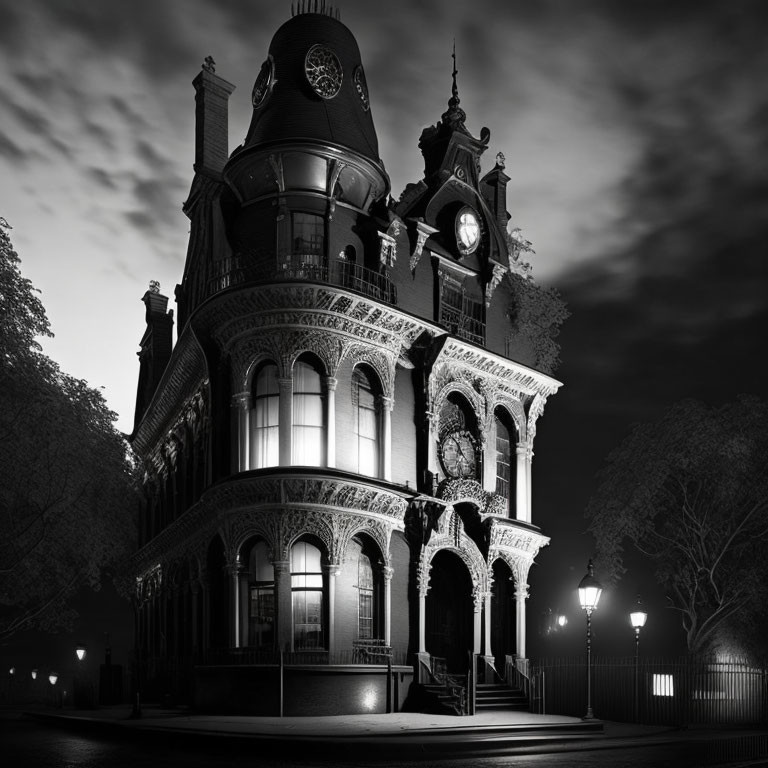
(338, 447)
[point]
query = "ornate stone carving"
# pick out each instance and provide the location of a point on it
(423, 231)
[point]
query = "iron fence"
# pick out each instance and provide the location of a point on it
(679, 692)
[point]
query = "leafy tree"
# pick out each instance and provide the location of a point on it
(691, 492)
(536, 313)
(67, 496)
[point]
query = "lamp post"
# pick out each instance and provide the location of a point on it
(637, 620)
(590, 590)
(52, 679)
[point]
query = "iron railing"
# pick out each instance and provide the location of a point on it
(656, 691)
(239, 270)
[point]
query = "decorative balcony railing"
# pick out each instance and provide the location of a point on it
(463, 325)
(239, 270)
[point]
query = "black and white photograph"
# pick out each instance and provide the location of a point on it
(383, 383)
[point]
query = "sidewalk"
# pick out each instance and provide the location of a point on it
(404, 732)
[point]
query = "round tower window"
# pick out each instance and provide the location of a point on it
(467, 231)
(323, 71)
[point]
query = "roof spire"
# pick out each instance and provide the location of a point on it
(455, 113)
(454, 101)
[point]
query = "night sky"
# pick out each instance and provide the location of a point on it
(635, 134)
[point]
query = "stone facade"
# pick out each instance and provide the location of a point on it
(337, 441)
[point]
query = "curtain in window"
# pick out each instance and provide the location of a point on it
(265, 419)
(308, 444)
(367, 425)
(307, 596)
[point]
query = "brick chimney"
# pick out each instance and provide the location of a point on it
(156, 346)
(493, 187)
(211, 120)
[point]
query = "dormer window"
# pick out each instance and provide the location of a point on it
(467, 231)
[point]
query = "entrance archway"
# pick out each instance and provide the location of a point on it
(502, 614)
(449, 611)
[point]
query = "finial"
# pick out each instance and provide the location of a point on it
(500, 160)
(454, 87)
(154, 286)
(209, 65)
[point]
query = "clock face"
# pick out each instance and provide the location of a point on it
(263, 84)
(361, 87)
(467, 231)
(323, 71)
(457, 454)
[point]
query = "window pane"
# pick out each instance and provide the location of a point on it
(307, 234)
(265, 418)
(503, 459)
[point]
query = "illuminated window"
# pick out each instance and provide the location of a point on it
(265, 419)
(503, 459)
(663, 685)
(365, 597)
(366, 424)
(308, 443)
(307, 597)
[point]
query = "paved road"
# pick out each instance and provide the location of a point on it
(30, 744)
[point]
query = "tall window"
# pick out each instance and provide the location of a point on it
(261, 607)
(308, 443)
(505, 485)
(307, 235)
(366, 424)
(364, 597)
(307, 596)
(265, 418)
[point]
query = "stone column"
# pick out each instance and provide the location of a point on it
(487, 608)
(522, 510)
(332, 571)
(233, 570)
(194, 587)
(387, 573)
(241, 406)
(387, 404)
(286, 420)
(284, 609)
(330, 421)
(521, 594)
(432, 460)
(477, 600)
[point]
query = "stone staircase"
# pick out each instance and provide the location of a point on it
(496, 696)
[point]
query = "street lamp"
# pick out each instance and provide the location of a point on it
(562, 620)
(52, 678)
(637, 620)
(589, 595)
(80, 651)
(34, 674)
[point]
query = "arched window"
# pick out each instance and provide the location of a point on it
(505, 456)
(261, 598)
(307, 597)
(365, 597)
(365, 403)
(308, 443)
(265, 422)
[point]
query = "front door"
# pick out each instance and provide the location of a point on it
(449, 611)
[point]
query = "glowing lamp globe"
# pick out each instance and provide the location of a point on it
(52, 678)
(34, 674)
(80, 651)
(590, 590)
